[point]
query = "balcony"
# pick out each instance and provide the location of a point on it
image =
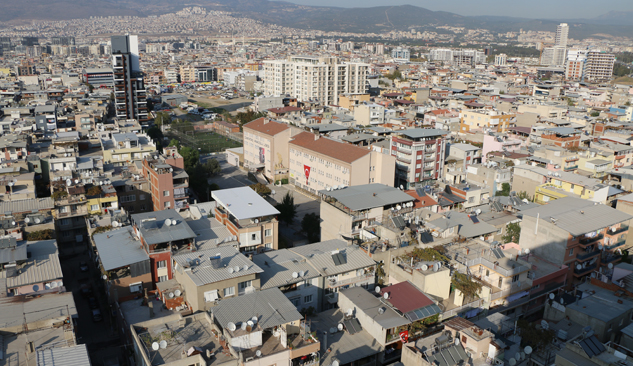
(587, 241)
(616, 245)
(584, 270)
(587, 255)
(609, 258)
(570, 167)
(404, 160)
(617, 231)
(334, 283)
(80, 211)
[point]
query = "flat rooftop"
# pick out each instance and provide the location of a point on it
(244, 203)
(368, 196)
(14, 345)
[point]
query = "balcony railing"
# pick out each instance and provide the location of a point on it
(514, 288)
(586, 241)
(587, 255)
(490, 265)
(616, 245)
(584, 270)
(621, 229)
(335, 283)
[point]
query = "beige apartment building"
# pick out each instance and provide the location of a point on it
(318, 163)
(479, 119)
(266, 147)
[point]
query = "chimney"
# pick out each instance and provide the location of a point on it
(316, 136)
(266, 120)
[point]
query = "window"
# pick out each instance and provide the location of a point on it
(136, 287)
(307, 299)
(487, 273)
(161, 264)
(307, 283)
(166, 193)
(65, 221)
(167, 204)
(571, 251)
(515, 278)
(94, 208)
(142, 197)
(296, 301)
(269, 245)
(229, 291)
(268, 232)
(210, 296)
(243, 285)
(162, 278)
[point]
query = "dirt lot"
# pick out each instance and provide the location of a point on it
(230, 105)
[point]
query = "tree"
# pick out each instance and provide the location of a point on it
(174, 142)
(466, 285)
(162, 118)
(311, 226)
(212, 166)
(191, 157)
(198, 181)
(505, 190)
(261, 189)
(513, 233)
(214, 187)
(94, 191)
(287, 209)
(595, 114)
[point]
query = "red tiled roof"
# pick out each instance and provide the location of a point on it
(284, 110)
(406, 297)
(270, 128)
(420, 202)
(337, 150)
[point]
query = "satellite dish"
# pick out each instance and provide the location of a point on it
(377, 289)
(254, 320)
(425, 267)
(245, 268)
(13, 223)
(522, 355)
(562, 302)
(295, 275)
(250, 323)
(401, 187)
(236, 269)
(258, 353)
(105, 277)
(230, 269)
(544, 325)
(517, 356)
(163, 344)
(273, 192)
(231, 326)
(302, 273)
(244, 325)
(47, 286)
(386, 295)
(456, 342)
(398, 207)
(527, 251)
(53, 284)
(27, 220)
(257, 221)
(115, 224)
(69, 182)
(350, 312)
(328, 189)
(436, 267)
(578, 267)
(171, 295)
(37, 220)
(335, 363)
(168, 222)
(552, 296)
(76, 181)
(528, 350)
(340, 327)
(600, 246)
(610, 265)
(512, 362)
(155, 346)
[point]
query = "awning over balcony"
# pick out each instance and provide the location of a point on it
(517, 296)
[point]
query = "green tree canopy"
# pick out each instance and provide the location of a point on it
(505, 190)
(261, 189)
(174, 142)
(212, 166)
(513, 233)
(287, 209)
(191, 157)
(311, 226)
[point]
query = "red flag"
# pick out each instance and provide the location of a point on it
(404, 336)
(306, 170)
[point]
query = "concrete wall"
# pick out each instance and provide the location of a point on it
(334, 222)
(432, 283)
(366, 320)
(526, 181)
(549, 242)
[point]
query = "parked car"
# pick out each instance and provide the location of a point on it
(86, 290)
(94, 304)
(96, 315)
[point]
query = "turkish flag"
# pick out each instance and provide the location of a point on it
(404, 336)
(306, 170)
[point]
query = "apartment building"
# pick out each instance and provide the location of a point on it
(420, 155)
(485, 118)
(168, 180)
(266, 147)
(187, 74)
(575, 64)
(163, 234)
(369, 114)
(248, 217)
(314, 78)
(318, 163)
(121, 148)
(129, 88)
(70, 211)
(599, 66)
(579, 233)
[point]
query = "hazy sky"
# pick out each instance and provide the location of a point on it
(543, 9)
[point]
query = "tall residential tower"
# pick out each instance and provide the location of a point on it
(129, 89)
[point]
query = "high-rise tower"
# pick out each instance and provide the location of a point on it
(562, 32)
(129, 89)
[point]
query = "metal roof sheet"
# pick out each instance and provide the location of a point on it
(45, 307)
(319, 255)
(43, 266)
(415, 133)
(67, 356)
(279, 265)
(271, 307)
(119, 248)
(205, 273)
(28, 205)
(369, 304)
(244, 203)
(368, 196)
(154, 230)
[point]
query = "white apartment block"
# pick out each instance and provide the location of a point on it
(599, 66)
(575, 65)
(314, 78)
(318, 163)
(562, 33)
(266, 148)
(400, 54)
(501, 59)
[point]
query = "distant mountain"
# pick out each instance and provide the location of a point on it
(361, 20)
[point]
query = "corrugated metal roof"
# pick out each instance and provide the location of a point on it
(368, 196)
(204, 273)
(154, 230)
(8, 255)
(119, 248)
(369, 304)
(279, 265)
(67, 356)
(319, 255)
(43, 266)
(28, 205)
(415, 133)
(271, 306)
(45, 307)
